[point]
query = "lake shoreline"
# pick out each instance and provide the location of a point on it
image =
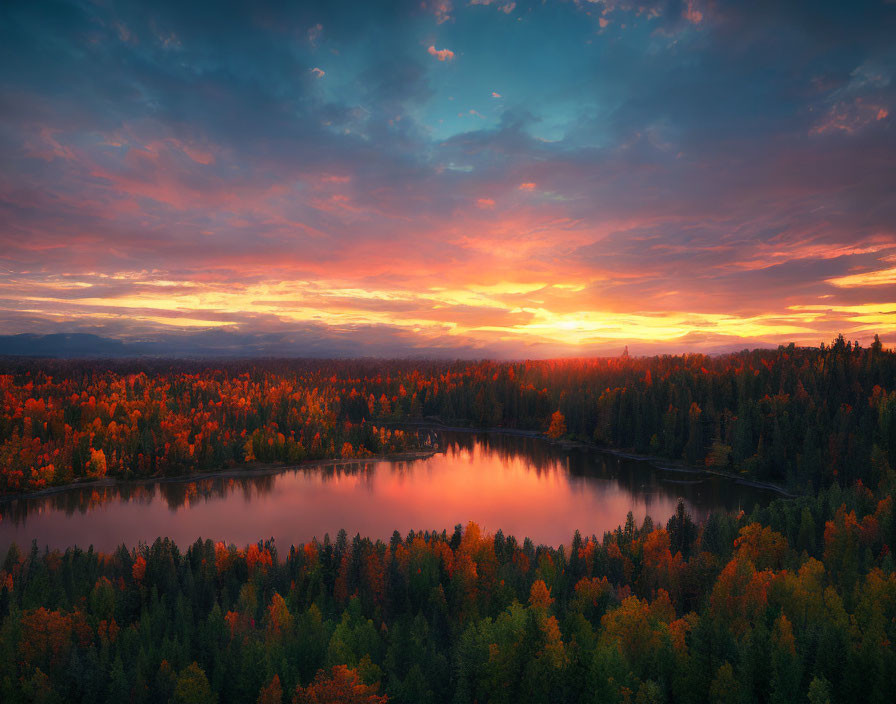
(522, 486)
(247, 470)
(661, 463)
(262, 469)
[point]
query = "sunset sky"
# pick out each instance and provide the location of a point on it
(485, 178)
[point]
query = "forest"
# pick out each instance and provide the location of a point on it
(804, 418)
(794, 601)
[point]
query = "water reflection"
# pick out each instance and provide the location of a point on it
(522, 485)
(174, 494)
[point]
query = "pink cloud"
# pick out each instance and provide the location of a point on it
(440, 54)
(506, 8)
(318, 73)
(529, 186)
(485, 203)
(496, 95)
(441, 9)
(849, 117)
(45, 146)
(691, 13)
(314, 34)
(198, 154)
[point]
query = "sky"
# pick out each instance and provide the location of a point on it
(450, 177)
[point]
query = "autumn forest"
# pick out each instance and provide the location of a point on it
(791, 601)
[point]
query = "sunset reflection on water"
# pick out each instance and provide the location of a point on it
(524, 486)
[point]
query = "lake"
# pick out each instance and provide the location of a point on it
(522, 485)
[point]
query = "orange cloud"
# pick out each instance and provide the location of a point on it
(883, 277)
(441, 9)
(849, 117)
(691, 13)
(506, 8)
(440, 54)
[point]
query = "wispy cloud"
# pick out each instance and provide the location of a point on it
(881, 277)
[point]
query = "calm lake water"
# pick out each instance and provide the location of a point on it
(523, 486)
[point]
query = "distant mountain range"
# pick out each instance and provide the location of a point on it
(222, 344)
(316, 342)
(203, 344)
(63, 345)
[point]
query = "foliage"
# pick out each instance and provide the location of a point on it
(804, 417)
(795, 601)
